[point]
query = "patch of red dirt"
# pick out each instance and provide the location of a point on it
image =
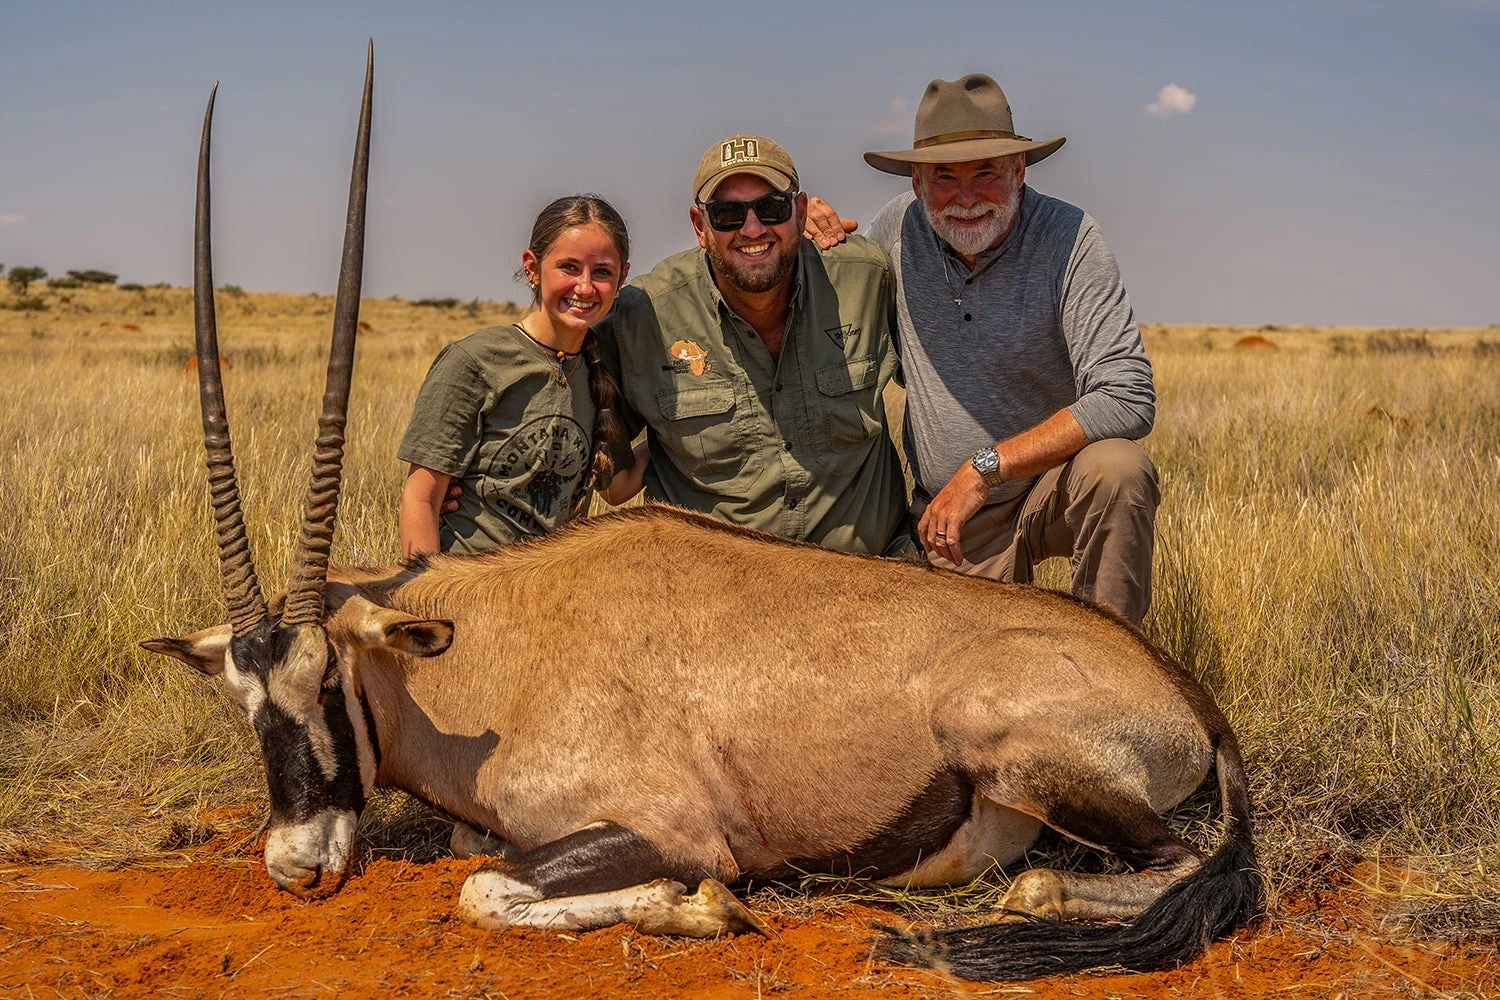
(220, 927)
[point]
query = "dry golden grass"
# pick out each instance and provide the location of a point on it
(1326, 562)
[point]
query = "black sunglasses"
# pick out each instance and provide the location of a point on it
(772, 210)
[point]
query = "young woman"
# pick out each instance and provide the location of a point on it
(525, 416)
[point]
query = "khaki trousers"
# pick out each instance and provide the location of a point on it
(1098, 509)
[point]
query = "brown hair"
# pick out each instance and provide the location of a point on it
(558, 217)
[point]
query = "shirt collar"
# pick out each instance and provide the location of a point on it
(799, 277)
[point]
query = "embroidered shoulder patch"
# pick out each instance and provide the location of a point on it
(686, 354)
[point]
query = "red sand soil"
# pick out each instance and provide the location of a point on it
(217, 926)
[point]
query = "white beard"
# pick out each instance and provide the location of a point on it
(972, 241)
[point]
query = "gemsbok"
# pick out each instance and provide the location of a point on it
(653, 700)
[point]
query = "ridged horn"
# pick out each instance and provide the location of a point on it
(242, 592)
(304, 602)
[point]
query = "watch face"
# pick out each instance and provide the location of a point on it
(987, 464)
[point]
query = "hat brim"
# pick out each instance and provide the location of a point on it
(900, 161)
(778, 180)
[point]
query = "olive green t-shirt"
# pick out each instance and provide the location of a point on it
(495, 414)
(798, 447)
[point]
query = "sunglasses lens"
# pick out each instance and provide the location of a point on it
(772, 210)
(726, 216)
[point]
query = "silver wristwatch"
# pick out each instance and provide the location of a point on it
(986, 462)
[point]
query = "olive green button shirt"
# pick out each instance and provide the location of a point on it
(799, 448)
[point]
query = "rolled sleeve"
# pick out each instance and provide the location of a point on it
(1116, 393)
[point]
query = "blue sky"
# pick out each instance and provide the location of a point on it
(1338, 162)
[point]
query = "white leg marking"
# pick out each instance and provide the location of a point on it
(992, 835)
(492, 900)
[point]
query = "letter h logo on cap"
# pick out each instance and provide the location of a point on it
(739, 151)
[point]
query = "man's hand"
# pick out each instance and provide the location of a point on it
(824, 226)
(942, 524)
(450, 499)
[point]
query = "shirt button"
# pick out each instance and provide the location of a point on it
(787, 445)
(968, 317)
(968, 281)
(791, 503)
(778, 386)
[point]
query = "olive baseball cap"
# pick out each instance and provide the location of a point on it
(742, 153)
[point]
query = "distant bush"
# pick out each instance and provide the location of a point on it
(131, 286)
(20, 278)
(471, 309)
(94, 277)
(64, 283)
(1398, 342)
(436, 303)
(34, 304)
(160, 285)
(234, 290)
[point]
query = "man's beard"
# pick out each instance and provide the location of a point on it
(972, 241)
(760, 276)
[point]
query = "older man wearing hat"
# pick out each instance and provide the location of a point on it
(756, 362)
(1026, 380)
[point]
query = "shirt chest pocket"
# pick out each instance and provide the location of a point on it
(850, 403)
(699, 430)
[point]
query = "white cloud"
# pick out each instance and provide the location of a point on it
(896, 121)
(1172, 100)
(12, 219)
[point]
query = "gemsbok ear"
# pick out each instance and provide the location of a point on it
(203, 651)
(420, 638)
(383, 627)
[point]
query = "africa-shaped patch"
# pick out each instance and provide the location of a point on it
(690, 354)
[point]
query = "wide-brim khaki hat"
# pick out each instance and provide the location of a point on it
(962, 120)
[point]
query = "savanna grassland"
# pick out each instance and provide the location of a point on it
(1326, 562)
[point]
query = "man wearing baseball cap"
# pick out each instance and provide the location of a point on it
(1027, 383)
(757, 363)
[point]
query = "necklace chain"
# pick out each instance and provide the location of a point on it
(559, 374)
(958, 299)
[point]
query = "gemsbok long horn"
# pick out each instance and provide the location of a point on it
(241, 589)
(304, 602)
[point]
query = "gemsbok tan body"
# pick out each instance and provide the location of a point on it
(654, 700)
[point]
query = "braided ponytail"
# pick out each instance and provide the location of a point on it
(609, 429)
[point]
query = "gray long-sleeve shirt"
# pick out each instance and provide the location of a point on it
(1042, 322)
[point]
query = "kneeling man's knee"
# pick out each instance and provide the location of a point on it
(1118, 468)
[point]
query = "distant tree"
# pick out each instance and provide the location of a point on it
(445, 303)
(94, 277)
(64, 283)
(131, 286)
(20, 278)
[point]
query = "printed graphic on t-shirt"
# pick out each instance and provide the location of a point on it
(541, 465)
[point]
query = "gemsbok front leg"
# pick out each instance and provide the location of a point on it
(599, 876)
